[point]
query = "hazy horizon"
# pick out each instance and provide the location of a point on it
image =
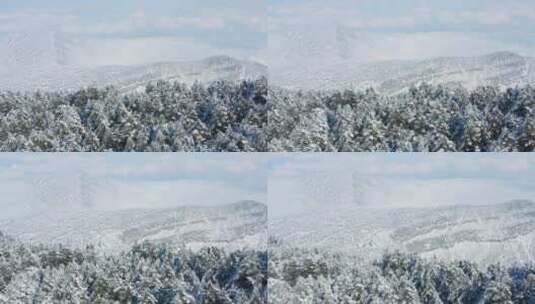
(65, 33)
(315, 182)
(313, 33)
(286, 183)
(37, 183)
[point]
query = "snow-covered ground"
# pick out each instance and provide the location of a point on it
(235, 226)
(502, 233)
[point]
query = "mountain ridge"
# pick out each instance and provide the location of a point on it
(477, 232)
(135, 77)
(241, 224)
(502, 69)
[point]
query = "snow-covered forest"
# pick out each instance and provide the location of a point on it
(425, 118)
(147, 273)
(318, 277)
(229, 116)
(166, 116)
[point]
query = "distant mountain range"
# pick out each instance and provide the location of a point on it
(487, 234)
(131, 78)
(503, 69)
(239, 225)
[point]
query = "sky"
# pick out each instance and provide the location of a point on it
(35, 183)
(319, 32)
(304, 182)
(127, 32)
(279, 33)
(287, 182)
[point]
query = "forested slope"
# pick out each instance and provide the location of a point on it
(146, 273)
(167, 116)
(312, 276)
(426, 118)
(230, 116)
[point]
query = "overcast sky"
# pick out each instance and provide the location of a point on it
(299, 182)
(315, 32)
(35, 182)
(289, 182)
(275, 32)
(124, 32)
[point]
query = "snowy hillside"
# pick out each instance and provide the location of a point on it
(234, 226)
(129, 78)
(487, 234)
(503, 69)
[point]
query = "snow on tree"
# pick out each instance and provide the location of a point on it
(168, 116)
(425, 118)
(321, 276)
(147, 273)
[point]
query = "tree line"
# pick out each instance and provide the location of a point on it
(248, 116)
(147, 273)
(166, 116)
(298, 276)
(425, 118)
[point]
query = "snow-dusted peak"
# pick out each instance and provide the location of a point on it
(502, 69)
(131, 78)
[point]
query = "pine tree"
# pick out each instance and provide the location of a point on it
(498, 292)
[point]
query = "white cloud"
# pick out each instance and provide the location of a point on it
(171, 164)
(135, 51)
(325, 46)
(169, 194)
(411, 164)
(290, 195)
(306, 34)
(31, 20)
(461, 164)
(50, 182)
(202, 23)
(307, 182)
(351, 14)
(479, 17)
(139, 21)
(423, 45)
(137, 38)
(443, 192)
